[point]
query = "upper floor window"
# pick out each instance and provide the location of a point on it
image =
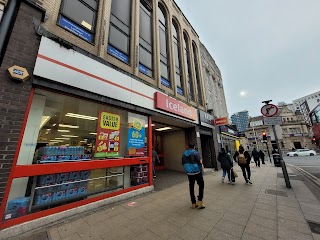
(196, 66)
(188, 66)
(177, 58)
(120, 27)
(163, 41)
(146, 38)
(79, 17)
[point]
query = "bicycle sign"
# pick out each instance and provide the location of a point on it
(269, 110)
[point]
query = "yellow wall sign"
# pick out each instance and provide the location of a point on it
(18, 73)
(109, 121)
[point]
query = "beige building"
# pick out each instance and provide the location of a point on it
(292, 133)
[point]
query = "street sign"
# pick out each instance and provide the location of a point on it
(269, 110)
(272, 120)
(221, 121)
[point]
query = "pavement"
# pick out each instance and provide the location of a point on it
(264, 210)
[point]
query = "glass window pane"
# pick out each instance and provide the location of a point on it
(80, 13)
(92, 3)
(164, 70)
(145, 58)
(162, 17)
(163, 42)
(122, 10)
(119, 40)
(63, 128)
(145, 26)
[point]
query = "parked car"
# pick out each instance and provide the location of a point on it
(301, 152)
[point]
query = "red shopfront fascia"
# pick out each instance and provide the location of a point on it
(19, 171)
(169, 104)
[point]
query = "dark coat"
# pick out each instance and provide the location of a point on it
(255, 154)
(225, 160)
(261, 153)
(246, 155)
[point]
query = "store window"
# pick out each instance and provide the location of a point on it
(188, 66)
(163, 41)
(146, 38)
(120, 27)
(65, 132)
(79, 17)
(196, 66)
(177, 58)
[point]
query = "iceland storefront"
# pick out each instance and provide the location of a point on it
(87, 136)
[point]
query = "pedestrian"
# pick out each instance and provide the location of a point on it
(242, 157)
(154, 159)
(256, 157)
(226, 164)
(192, 163)
(261, 154)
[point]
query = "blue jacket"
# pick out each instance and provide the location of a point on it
(191, 162)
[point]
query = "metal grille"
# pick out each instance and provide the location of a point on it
(276, 192)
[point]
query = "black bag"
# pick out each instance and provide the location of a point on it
(232, 177)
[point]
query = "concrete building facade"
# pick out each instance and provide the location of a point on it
(108, 80)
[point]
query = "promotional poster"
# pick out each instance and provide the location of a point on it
(136, 136)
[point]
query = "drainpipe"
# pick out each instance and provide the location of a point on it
(6, 25)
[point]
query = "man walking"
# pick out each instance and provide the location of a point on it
(261, 153)
(192, 164)
(242, 157)
(256, 157)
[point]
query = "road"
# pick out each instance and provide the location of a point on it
(309, 164)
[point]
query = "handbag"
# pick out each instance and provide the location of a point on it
(234, 173)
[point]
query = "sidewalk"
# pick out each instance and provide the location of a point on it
(232, 212)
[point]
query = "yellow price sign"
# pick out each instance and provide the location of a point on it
(110, 121)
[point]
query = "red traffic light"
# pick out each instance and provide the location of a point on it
(264, 136)
(264, 133)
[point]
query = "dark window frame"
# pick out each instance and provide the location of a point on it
(128, 35)
(147, 8)
(163, 29)
(177, 57)
(197, 73)
(95, 15)
(186, 43)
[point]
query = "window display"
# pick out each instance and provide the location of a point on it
(78, 138)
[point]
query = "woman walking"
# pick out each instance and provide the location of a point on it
(226, 164)
(242, 157)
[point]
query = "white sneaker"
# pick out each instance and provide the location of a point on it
(249, 181)
(222, 180)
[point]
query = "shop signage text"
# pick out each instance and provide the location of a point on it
(18, 73)
(221, 121)
(229, 131)
(136, 136)
(174, 106)
(206, 119)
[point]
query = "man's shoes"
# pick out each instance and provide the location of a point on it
(222, 180)
(194, 206)
(154, 176)
(249, 182)
(200, 205)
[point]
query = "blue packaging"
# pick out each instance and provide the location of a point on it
(81, 184)
(63, 158)
(75, 157)
(85, 175)
(74, 176)
(62, 177)
(43, 199)
(71, 192)
(66, 186)
(58, 195)
(86, 156)
(82, 190)
(17, 207)
(46, 190)
(46, 179)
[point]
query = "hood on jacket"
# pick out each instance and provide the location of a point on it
(188, 152)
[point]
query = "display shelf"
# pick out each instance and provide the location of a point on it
(67, 200)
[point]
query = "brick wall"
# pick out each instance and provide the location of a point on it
(22, 51)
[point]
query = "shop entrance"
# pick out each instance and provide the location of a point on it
(157, 143)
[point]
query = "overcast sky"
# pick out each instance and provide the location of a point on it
(265, 49)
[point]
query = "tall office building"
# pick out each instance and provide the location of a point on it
(240, 119)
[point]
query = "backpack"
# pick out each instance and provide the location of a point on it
(242, 159)
(189, 164)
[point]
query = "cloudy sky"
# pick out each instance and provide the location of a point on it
(265, 49)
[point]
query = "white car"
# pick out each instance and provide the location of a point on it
(301, 152)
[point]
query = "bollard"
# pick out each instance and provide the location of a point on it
(285, 173)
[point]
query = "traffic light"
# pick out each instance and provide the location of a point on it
(264, 136)
(313, 140)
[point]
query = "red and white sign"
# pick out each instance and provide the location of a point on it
(221, 121)
(269, 110)
(174, 106)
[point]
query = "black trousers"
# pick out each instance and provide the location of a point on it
(192, 179)
(257, 161)
(262, 160)
(246, 169)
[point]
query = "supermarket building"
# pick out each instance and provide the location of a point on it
(108, 82)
